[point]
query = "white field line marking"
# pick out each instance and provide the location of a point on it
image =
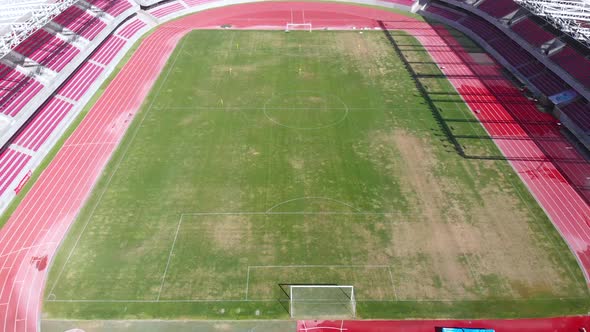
(259, 108)
(290, 213)
(392, 283)
(247, 283)
(114, 172)
(313, 198)
(312, 266)
(274, 300)
(169, 258)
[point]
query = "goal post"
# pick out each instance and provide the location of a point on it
(322, 301)
(298, 26)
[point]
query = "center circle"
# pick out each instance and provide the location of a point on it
(306, 110)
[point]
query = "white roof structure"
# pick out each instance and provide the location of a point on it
(21, 18)
(570, 16)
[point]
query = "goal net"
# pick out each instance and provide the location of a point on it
(298, 26)
(322, 301)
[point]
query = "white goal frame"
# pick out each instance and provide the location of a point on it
(295, 25)
(350, 287)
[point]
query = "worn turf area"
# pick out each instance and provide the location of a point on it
(265, 158)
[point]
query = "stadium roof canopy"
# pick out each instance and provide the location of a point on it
(570, 16)
(21, 18)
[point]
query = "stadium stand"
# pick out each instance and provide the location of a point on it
(43, 78)
(408, 3)
(36, 132)
(444, 12)
(579, 112)
(193, 3)
(569, 69)
(160, 12)
(80, 22)
(482, 28)
(575, 63)
(12, 163)
(129, 30)
(16, 90)
(498, 8)
(511, 51)
(531, 69)
(532, 32)
(548, 83)
(107, 51)
(112, 7)
(47, 50)
(80, 81)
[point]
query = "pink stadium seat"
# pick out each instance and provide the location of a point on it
(113, 7)
(484, 29)
(511, 51)
(47, 50)
(107, 51)
(36, 131)
(193, 3)
(167, 10)
(532, 32)
(498, 8)
(16, 90)
(80, 81)
(132, 28)
(574, 63)
(80, 22)
(579, 112)
(549, 83)
(11, 163)
(531, 68)
(444, 12)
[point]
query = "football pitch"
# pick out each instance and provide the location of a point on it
(265, 159)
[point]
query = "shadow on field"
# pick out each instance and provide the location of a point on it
(544, 134)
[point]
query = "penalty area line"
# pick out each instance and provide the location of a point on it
(169, 258)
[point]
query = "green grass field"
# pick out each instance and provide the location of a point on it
(265, 158)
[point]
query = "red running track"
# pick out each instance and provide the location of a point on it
(30, 238)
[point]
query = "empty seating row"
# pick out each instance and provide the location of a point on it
(574, 63)
(444, 12)
(530, 31)
(402, 2)
(36, 131)
(511, 51)
(579, 112)
(12, 163)
(482, 28)
(193, 3)
(531, 69)
(549, 83)
(79, 21)
(48, 50)
(113, 7)
(167, 10)
(16, 90)
(80, 81)
(129, 30)
(107, 51)
(498, 8)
